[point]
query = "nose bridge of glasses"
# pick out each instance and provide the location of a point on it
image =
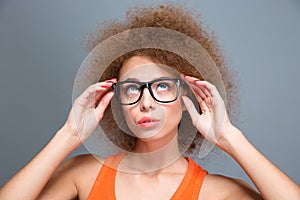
(149, 91)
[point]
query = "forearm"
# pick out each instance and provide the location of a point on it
(269, 180)
(29, 181)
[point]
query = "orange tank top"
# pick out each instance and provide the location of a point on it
(104, 186)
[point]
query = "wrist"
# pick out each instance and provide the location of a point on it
(69, 136)
(230, 139)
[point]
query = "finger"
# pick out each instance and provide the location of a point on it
(198, 97)
(204, 87)
(102, 88)
(201, 84)
(212, 90)
(103, 104)
(198, 92)
(191, 109)
(189, 78)
(192, 80)
(202, 92)
(203, 106)
(89, 97)
(209, 89)
(204, 101)
(88, 91)
(106, 84)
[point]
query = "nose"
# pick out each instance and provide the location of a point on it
(147, 102)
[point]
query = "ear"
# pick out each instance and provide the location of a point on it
(183, 107)
(183, 92)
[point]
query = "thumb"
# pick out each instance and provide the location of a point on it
(191, 109)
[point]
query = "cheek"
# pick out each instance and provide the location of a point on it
(128, 115)
(174, 112)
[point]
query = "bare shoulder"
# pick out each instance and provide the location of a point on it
(75, 177)
(222, 187)
(82, 167)
(85, 169)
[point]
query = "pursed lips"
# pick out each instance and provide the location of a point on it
(147, 122)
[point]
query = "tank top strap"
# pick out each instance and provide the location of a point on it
(104, 186)
(192, 182)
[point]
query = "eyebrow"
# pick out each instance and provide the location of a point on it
(135, 79)
(131, 79)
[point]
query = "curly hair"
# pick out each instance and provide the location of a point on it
(172, 17)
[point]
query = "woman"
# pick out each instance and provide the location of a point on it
(151, 91)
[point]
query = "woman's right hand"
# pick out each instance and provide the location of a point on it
(85, 115)
(88, 110)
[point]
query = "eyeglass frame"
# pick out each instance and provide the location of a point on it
(147, 85)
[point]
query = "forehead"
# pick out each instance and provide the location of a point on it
(143, 69)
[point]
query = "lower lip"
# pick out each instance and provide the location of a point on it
(149, 124)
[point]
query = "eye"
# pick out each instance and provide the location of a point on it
(132, 89)
(162, 86)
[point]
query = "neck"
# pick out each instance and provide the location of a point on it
(152, 155)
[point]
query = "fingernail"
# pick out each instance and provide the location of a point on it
(103, 86)
(109, 81)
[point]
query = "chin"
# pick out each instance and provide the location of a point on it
(148, 136)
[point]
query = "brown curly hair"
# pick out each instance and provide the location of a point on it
(172, 17)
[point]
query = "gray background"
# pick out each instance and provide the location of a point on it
(40, 53)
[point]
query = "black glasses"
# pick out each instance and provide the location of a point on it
(163, 90)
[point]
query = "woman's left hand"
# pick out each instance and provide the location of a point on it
(213, 123)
